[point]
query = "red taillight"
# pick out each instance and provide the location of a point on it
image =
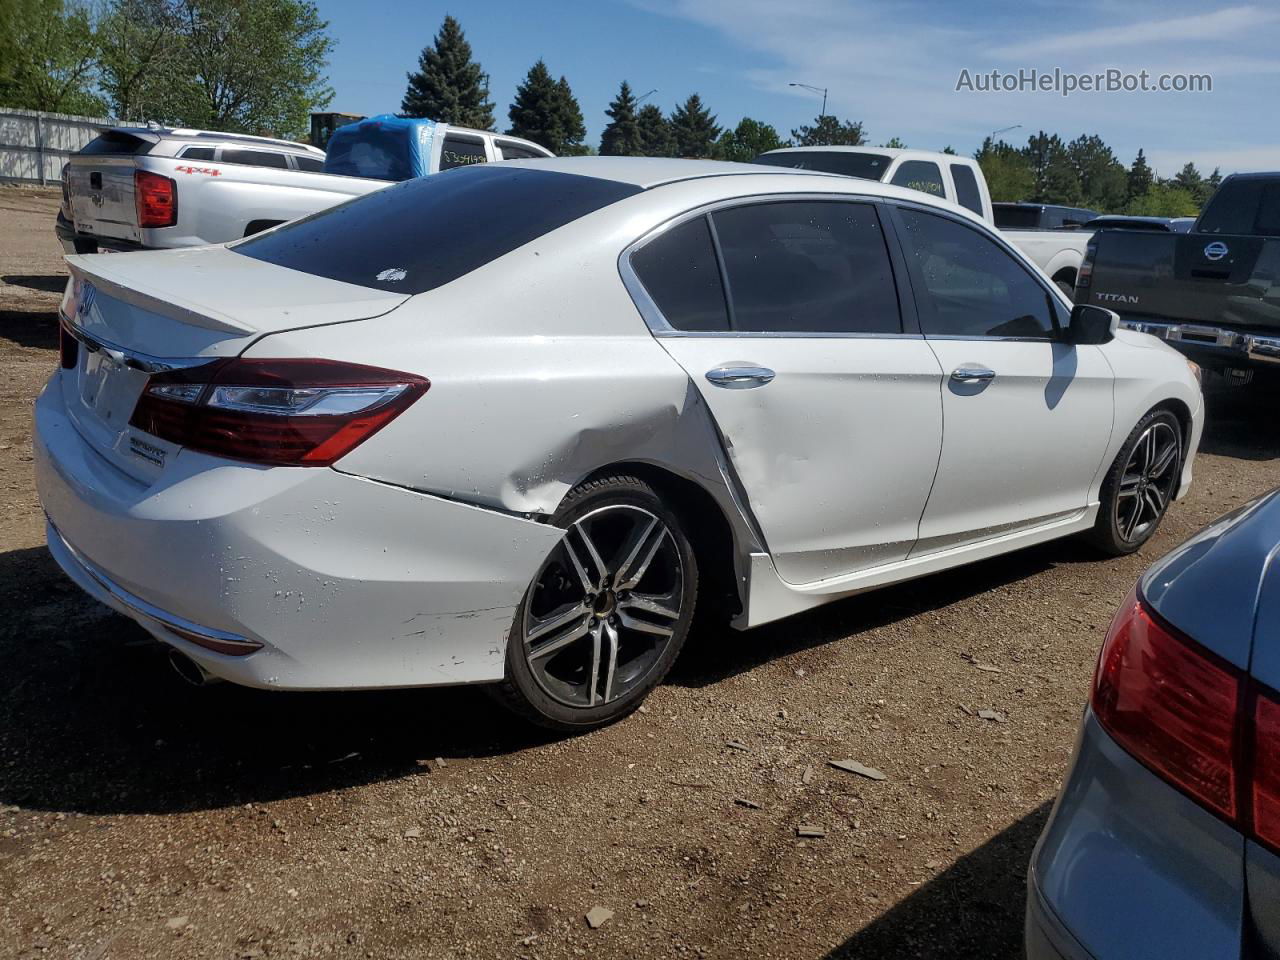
(1185, 713)
(1266, 769)
(305, 413)
(156, 199)
(1170, 704)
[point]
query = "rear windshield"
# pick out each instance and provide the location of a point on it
(375, 152)
(1246, 207)
(117, 142)
(865, 166)
(423, 233)
(1017, 218)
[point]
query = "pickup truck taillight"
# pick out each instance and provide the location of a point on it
(301, 413)
(156, 198)
(1085, 274)
(1194, 720)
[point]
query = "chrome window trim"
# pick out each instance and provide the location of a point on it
(658, 324)
(131, 358)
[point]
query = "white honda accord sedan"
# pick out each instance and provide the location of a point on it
(511, 424)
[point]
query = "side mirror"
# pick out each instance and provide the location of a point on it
(1092, 325)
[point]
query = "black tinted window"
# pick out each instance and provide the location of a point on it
(1016, 218)
(425, 232)
(1243, 207)
(678, 269)
(973, 287)
(115, 141)
(513, 151)
(967, 192)
(807, 267)
(310, 164)
(461, 152)
(198, 153)
(370, 151)
(254, 158)
(921, 175)
(865, 166)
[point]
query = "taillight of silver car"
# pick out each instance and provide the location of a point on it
(304, 413)
(1195, 720)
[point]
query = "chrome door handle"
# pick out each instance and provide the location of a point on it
(740, 377)
(972, 374)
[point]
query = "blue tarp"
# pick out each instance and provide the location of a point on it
(385, 147)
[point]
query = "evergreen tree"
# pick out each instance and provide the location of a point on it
(449, 86)
(1053, 176)
(571, 129)
(950, 150)
(622, 136)
(827, 131)
(654, 132)
(1210, 185)
(537, 112)
(1104, 183)
(746, 141)
(1008, 174)
(1189, 179)
(693, 129)
(1140, 177)
(895, 143)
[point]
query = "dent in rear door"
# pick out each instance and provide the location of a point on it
(833, 431)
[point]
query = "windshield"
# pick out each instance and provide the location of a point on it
(1247, 206)
(423, 233)
(865, 166)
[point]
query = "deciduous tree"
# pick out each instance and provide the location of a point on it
(827, 131)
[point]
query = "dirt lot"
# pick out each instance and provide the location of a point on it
(143, 818)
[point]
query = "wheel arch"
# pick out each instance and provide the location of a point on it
(709, 528)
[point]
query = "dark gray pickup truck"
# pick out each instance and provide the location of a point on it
(1213, 293)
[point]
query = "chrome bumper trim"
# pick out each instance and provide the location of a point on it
(1249, 346)
(135, 605)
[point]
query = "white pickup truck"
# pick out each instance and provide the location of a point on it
(1058, 252)
(147, 188)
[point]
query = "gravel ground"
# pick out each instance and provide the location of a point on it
(143, 818)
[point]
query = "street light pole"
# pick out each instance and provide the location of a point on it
(813, 89)
(996, 133)
(642, 96)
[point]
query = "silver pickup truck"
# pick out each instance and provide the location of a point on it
(146, 188)
(140, 188)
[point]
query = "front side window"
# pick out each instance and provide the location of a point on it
(921, 175)
(254, 158)
(461, 152)
(807, 267)
(972, 286)
(678, 269)
(967, 192)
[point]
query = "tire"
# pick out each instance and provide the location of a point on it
(588, 644)
(1133, 483)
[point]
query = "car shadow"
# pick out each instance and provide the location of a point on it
(1240, 421)
(93, 719)
(30, 328)
(719, 652)
(47, 282)
(973, 909)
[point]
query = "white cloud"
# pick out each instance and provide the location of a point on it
(1198, 28)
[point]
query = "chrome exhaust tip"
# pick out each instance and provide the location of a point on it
(189, 670)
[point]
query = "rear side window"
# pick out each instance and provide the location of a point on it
(973, 287)
(807, 267)
(254, 158)
(678, 269)
(1243, 207)
(967, 192)
(921, 175)
(310, 164)
(461, 152)
(373, 152)
(197, 153)
(422, 233)
(1017, 218)
(864, 166)
(514, 151)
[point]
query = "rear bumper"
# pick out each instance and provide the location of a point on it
(1129, 868)
(1214, 346)
(344, 582)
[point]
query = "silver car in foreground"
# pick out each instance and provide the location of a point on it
(1164, 841)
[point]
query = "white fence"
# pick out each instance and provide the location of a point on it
(34, 145)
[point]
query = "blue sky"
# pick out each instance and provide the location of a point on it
(892, 65)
